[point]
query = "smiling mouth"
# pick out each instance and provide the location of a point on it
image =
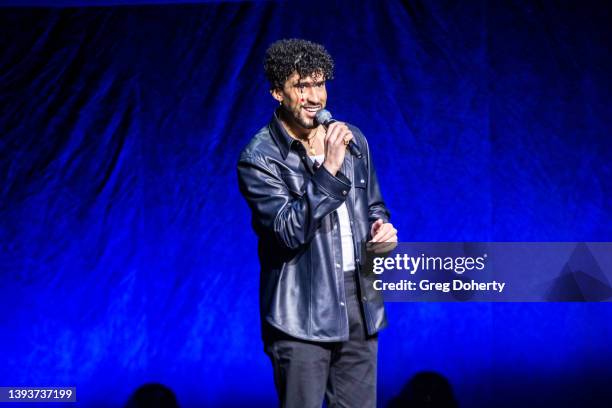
(312, 109)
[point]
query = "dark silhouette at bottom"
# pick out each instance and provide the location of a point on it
(152, 395)
(425, 390)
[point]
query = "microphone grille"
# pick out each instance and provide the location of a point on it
(323, 116)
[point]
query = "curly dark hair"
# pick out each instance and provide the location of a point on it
(284, 57)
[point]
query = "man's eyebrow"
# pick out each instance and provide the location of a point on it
(317, 83)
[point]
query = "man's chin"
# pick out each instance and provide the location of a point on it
(307, 124)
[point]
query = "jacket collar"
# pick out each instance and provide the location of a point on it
(280, 136)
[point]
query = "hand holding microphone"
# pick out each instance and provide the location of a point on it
(335, 146)
(338, 139)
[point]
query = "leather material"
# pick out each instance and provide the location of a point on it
(293, 209)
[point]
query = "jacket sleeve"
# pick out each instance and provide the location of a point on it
(376, 206)
(292, 220)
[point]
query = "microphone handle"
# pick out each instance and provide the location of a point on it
(352, 146)
(354, 149)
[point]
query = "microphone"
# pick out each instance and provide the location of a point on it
(323, 117)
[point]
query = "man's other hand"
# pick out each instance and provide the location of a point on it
(383, 232)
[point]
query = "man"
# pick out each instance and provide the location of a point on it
(314, 205)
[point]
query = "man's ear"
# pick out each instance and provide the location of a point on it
(277, 94)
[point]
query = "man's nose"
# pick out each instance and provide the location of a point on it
(314, 95)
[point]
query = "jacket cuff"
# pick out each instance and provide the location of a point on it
(336, 186)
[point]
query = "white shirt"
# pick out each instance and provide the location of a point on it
(346, 234)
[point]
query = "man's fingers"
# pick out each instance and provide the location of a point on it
(335, 148)
(379, 236)
(336, 132)
(390, 235)
(375, 227)
(385, 233)
(333, 133)
(348, 138)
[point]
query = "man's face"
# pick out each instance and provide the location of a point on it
(302, 98)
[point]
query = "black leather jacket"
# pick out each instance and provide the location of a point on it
(294, 214)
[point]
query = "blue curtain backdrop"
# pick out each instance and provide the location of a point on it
(126, 249)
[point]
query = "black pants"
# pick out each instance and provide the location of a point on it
(343, 372)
